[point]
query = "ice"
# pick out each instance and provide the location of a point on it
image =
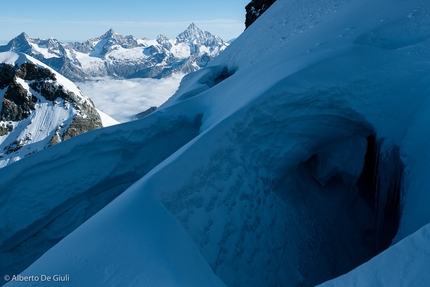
(344, 158)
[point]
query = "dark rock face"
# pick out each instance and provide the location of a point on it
(6, 75)
(18, 102)
(255, 9)
(31, 72)
(81, 125)
(5, 128)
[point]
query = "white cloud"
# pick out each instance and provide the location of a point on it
(123, 99)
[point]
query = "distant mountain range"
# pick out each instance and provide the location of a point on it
(119, 56)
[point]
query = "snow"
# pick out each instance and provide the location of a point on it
(44, 51)
(344, 157)
(38, 128)
(221, 174)
(9, 58)
(89, 63)
(107, 120)
(180, 50)
(161, 251)
(122, 54)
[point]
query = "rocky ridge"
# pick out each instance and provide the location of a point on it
(37, 109)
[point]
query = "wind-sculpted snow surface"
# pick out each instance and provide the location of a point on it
(270, 191)
(49, 196)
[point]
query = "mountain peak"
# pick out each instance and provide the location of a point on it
(191, 33)
(193, 29)
(20, 43)
(108, 34)
(193, 26)
(23, 37)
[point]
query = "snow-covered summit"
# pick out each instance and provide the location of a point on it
(195, 35)
(39, 108)
(119, 56)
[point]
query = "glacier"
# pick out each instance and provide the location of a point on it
(254, 173)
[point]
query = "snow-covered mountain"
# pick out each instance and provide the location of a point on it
(120, 56)
(39, 108)
(298, 155)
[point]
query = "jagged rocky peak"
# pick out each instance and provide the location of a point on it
(164, 42)
(19, 43)
(111, 38)
(109, 34)
(23, 37)
(194, 34)
(161, 39)
(23, 43)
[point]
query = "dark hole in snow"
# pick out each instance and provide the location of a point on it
(379, 183)
(225, 73)
(380, 187)
(212, 76)
(216, 75)
(359, 179)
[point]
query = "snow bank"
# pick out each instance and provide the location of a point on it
(54, 191)
(154, 250)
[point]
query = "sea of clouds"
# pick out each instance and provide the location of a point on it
(123, 99)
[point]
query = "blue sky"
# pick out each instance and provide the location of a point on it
(84, 19)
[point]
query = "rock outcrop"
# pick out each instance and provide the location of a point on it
(255, 9)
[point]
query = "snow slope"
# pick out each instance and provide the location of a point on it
(265, 179)
(107, 120)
